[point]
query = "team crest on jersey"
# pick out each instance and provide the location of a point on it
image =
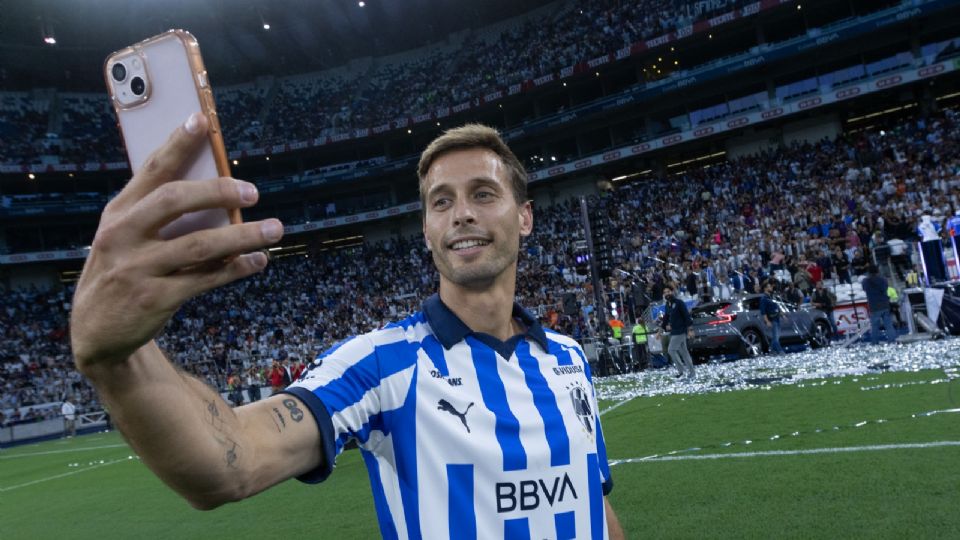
(581, 406)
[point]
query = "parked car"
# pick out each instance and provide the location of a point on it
(737, 327)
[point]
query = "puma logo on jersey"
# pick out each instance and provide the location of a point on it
(445, 405)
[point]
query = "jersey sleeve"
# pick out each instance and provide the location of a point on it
(340, 389)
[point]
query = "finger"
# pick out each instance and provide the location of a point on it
(167, 162)
(173, 199)
(191, 283)
(213, 245)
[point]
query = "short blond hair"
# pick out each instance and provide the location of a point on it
(474, 136)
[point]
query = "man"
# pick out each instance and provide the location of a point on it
(457, 409)
(69, 412)
(640, 344)
(679, 323)
(894, 304)
(253, 380)
(875, 287)
(771, 316)
(824, 300)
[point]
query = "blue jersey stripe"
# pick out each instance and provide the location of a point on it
(461, 514)
(566, 524)
(546, 404)
(374, 423)
(405, 450)
(367, 374)
(507, 427)
(434, 351)
(388, 529)
(562, 353)
(516, 529)
(604, 464)
(595, 491)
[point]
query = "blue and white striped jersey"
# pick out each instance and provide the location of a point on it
(465, 436)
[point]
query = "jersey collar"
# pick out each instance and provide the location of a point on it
(450, 330)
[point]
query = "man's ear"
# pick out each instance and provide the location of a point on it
(526, 218)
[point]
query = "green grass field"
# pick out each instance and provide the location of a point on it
(789, 481)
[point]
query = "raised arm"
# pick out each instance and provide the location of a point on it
(132, 283)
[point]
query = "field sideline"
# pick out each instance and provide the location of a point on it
(870, 455)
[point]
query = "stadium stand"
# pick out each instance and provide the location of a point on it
(774, 214)
(323, 103)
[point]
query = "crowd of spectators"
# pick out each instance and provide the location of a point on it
(802, 213)
(321, 104)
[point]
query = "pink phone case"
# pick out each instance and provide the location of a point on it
(176, 86)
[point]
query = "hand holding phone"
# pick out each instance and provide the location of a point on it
(154, 85)
(136, 277)
(133, 281)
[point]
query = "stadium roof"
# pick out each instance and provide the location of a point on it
(304, 35)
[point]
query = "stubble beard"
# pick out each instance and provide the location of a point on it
(477, 275)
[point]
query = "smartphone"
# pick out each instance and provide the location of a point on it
(155, 85)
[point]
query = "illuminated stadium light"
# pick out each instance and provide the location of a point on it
(235, 162)
(31, 176)
(564, 83)
(268, 158)
(409, 131)
(50, 40)
(361, 3)
(266, 26)
(698, 158)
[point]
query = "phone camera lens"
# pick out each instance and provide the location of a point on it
(119, 72)
(138, 86)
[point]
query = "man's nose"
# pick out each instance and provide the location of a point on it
(463, 212)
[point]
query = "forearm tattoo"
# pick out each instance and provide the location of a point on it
(231, 455)
(296, 414)
(213, 416)
(220, 434)
(279, 420)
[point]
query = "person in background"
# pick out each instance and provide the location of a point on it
(824, 300)
(894, 304)
(771, 316)
(253, 380)
(69, 412)
(842, 266)
(875, 287)
(616, 328)
(680, 324)
(640, 343)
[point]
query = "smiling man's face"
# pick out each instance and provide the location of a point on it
(472, 221)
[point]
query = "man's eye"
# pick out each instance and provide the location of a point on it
(439, 203)
(484, 195)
